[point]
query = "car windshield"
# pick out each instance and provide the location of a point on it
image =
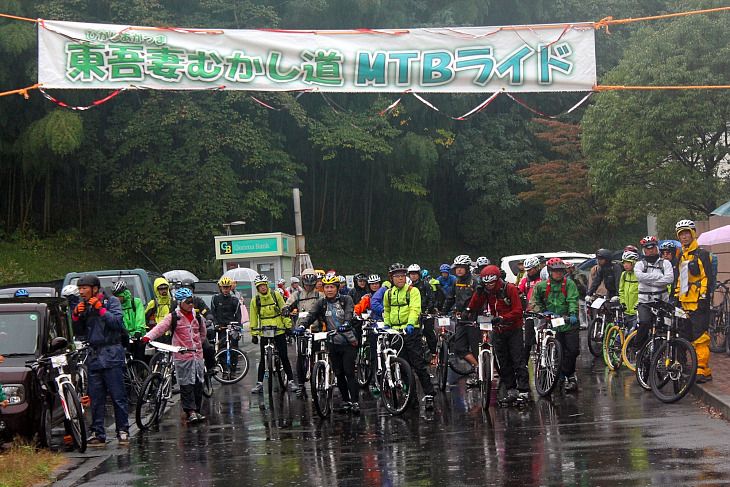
(18, 333)
(134, 283)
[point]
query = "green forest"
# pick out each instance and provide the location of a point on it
(150, 176)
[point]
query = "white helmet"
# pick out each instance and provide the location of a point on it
(481, 261)
(462, 260)
(281, 282)
(629, 256)
(260, 279)
(685, 225)
(531, 263)
(414, 268)
(294, 279)
(70, 290)
(374, 278)
(342, 279)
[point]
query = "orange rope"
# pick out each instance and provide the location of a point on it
(21, 91)
(659, 88)
(605, 22)
(14, 17)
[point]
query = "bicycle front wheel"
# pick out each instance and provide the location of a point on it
(673, 370)
(644, 360)
(629, 351)
(138, 373)
(485, 378)
(364, 370)
(397, 386)
(613, 342)
(76, 423)
(547, 367)
(595, 337)
(232, 365)
(208, 385)
(442, 371)
(321, 390)
(149, 402)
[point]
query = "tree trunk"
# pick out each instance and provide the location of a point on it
(324, 199)
(334, 200)
(47, 203)
(369, 206)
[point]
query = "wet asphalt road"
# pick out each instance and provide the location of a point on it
(610, 433)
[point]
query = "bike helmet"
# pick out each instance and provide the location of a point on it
(445, 268)
(331, 279)
(629, 257)
(260, 279)
(360, 276)
(425, 274)
(685, 225)
(342, 279)
(374, 278)
(309, 279)
(281, 282)
(482, 261)
(631, 248)
(667, 245)
(414, 268)
(22, 293)
(88, 280)
(649, 241)
(119, 287)
(464, 260)
(188, 283)
(183, 293)
(319, 273)
(531, 263)
(556, 263)
(490, 274)
(226, 281)
(294, 280)
(397, 267)
(70, 290)
(603, 254)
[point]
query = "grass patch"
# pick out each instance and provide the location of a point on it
(23, 465)
(28, 258)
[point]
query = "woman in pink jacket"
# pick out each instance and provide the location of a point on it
(188, 331)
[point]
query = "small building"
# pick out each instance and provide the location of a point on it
(271, 254)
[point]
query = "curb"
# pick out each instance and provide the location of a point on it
(713, 399)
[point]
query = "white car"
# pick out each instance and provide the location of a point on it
(509, 263)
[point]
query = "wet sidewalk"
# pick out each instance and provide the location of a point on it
(716, 393)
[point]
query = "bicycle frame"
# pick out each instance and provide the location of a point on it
(230, 329)
(386, 353)
(57, 364)
(485, 348)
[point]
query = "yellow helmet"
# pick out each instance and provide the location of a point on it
(225, 281)
(331, 279)
(320, 273)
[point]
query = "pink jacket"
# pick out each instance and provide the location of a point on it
(187, 334)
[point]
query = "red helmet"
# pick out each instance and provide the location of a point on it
(648, 241)
(490, 274)
(556, 263)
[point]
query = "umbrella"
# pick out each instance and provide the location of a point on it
(179, 274)
(241, 274)
(723, 210)
(717, 236)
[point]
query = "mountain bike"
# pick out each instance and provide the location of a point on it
(485, 375)
(272, 361)
(548, 353)
(720, 321)
(135, 373)
(654, 340)
(323, 379)
(363, 362)
(232, 363)
(56, 384)
(157, 388)
(616, 329)
(597, 327)
(394, 374)
(674, 364)
(444, 338)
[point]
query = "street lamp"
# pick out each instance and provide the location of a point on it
(228, 226)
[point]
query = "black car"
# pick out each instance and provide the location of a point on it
(27, 328)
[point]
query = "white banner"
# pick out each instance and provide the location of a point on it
(439, 60)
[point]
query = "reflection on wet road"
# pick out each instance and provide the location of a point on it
(610, 433)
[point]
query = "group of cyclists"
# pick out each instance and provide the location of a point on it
(409, 301)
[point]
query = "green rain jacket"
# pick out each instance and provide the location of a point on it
(562, 299)
(266, 311)
(402, 307)
(628, 291)
(133, 314)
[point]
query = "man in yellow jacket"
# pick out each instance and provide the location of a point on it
(266, 312)
(693, 294)
(402, 308)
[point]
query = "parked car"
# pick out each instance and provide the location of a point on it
(509, 263)
(139, 281)
(27, 328)
(33, 291)
(205, 289)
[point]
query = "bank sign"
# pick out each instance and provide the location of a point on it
(439, 60)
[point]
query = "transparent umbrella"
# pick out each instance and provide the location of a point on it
(241, 274)
(179, 274)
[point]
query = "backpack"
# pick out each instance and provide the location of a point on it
(276, 305)
(709, 262)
